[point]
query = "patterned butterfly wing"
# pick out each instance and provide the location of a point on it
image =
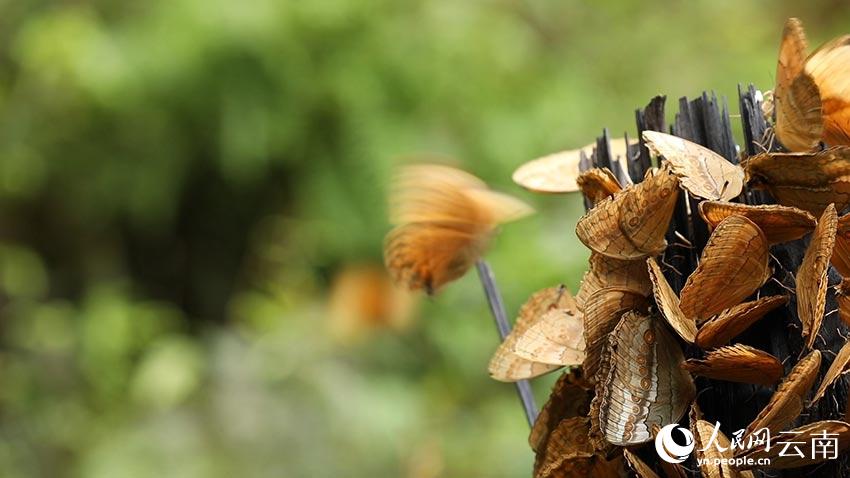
(799, 122)
(812, 276)
(738, 363)
(778, 223)
(701, 171)
(644, 384)
(733, 265)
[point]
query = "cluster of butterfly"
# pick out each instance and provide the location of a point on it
(628, 376)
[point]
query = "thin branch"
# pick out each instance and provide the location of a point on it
(497, 309)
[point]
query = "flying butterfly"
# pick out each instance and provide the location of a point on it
(443, 221)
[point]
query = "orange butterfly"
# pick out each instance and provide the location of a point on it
(444, 219)
(812, 94)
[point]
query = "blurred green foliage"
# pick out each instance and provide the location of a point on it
(180, 180)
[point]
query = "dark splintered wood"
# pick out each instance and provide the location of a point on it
(650, 118)
(706, 121)
(603, 157)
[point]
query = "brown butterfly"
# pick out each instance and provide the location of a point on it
(733, 265)
(738, 363)
(668, 304)
(556, 339)
(444, 219)
(631, 225)
(608, 272)
(506, 365)
(603, 311)
(797, 102)
(714, 457)
(641, 469)
(597, 184)
(569, 454)
(809, 181)
(363, 298)
(702, 172)
(730, 323)
(787, 402)
(778, 223)
(812, 92)
(803, 438)
(557, 173)
(570, 397)
(812, 276)
(841, 252)
(840, 365)
(842, 296)
(641, 383)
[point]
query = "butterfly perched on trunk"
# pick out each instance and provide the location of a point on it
(444, 219)
(812, 94)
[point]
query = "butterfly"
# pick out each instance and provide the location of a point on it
(443, 220)
(362, 297)
(701, 171)
(778, 223)
(558, 173)
(810, 181)
(631, 224)
(730, 323)
(713, 449)
(738, 363)
(812, 93)
(837, 368)
(805, 437)
(668, 304)
(597, 184)
(812, 276)
(787, 402)
(733, 265)
(506, 365)
(640, 384)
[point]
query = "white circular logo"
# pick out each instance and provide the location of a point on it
(668, 449)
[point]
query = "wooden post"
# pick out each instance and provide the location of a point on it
(706, 121)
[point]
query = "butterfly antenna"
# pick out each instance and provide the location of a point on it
(497, 309)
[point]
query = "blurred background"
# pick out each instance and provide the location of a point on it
(192, 213)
